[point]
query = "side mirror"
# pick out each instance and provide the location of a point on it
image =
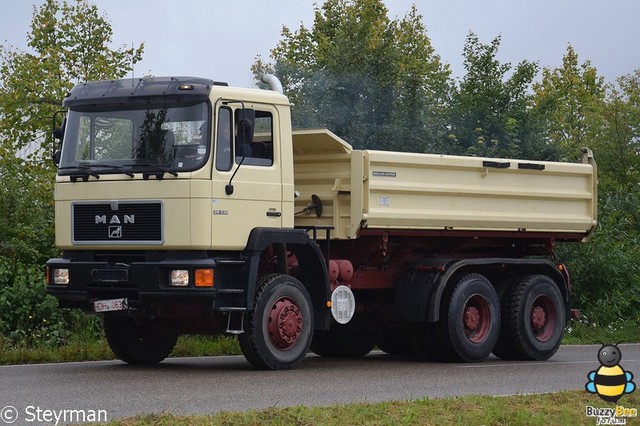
(58, 136)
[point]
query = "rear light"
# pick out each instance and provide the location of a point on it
(204, 278)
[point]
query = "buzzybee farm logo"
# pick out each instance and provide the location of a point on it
(610, 382)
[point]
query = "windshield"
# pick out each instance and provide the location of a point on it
(169, 138)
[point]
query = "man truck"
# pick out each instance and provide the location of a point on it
(185, 206)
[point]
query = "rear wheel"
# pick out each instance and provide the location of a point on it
(138, 341)
(469, 321)
(533, 320)
(279, 328)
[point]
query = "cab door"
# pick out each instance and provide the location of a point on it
(247, 182)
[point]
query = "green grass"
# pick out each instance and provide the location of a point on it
(97, 350)
(564, 408)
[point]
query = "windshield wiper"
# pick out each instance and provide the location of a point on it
(85, 167)
(158, 171)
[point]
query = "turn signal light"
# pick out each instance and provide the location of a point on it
(204, 278)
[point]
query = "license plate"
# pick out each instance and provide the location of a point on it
(110, 305)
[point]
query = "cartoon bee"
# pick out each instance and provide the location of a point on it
(610, 381)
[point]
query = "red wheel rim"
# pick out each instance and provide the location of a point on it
(543, 318)
(476, 318)
(285, 323)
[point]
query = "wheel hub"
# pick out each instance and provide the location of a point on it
(471, 318)
(285, 323)
(476, 318)
(538, 318)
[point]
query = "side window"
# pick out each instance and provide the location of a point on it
(223, 144)
(254, 137)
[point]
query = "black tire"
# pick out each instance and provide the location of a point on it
(469, 321)
(138, 341)
(279, 328)
(533, 320)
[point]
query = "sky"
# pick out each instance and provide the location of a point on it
(220, 39)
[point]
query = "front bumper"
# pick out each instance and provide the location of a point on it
(144, 281)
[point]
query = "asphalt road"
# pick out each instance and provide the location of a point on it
(228, 383)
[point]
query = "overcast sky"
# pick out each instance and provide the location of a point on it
(220, 39)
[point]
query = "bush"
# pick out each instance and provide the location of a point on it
(29, 317)
(605, 271)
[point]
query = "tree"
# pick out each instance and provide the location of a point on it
(615, 138)
(70, 43)
(374, 81)
(491, 112)
(568, 98)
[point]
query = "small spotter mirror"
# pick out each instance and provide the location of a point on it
(315, 205)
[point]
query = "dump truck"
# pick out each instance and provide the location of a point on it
(186, 206)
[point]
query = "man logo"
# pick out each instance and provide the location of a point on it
(115, 232)
(127, 218)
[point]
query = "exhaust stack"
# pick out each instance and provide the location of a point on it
(273, 82)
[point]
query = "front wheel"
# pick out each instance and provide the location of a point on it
(138, 341)
(533, 320)
(279, 328)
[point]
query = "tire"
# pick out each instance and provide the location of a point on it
(469, 321)
(533, 320)
(279, 329)
(138, 341)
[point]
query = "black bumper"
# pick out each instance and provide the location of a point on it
(145, 281)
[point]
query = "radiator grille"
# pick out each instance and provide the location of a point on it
(117, 222)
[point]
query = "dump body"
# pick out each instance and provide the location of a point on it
(393, 190)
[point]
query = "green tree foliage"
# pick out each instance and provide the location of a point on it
(615, 135)
(68, 43)
(374, 81)
(569, 98)
(491, 112)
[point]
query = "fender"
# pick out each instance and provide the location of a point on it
(314, 274)
(529, 266)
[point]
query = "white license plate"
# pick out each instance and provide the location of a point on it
(110, 305)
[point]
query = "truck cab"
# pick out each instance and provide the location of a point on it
(171, 195)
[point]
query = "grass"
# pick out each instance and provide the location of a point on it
(564, 408)
(97, 350)
(91, 349)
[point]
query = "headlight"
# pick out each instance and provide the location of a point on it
(60, 276)
(179, 278)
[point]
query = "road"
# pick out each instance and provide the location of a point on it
(228, 383)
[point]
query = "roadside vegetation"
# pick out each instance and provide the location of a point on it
(353, 51)
(563, 408)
